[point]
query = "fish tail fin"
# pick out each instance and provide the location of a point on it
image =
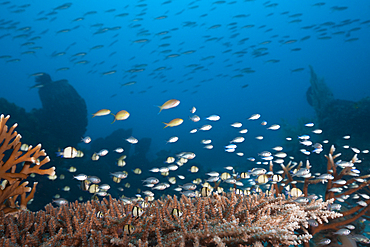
(160, 109)
(165, 124)
(114, 118)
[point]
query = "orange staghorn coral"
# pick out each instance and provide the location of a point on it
(11, 180)
(218, 220)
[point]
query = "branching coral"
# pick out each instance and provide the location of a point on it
(217, 220)
(11, 180)
(339, 187)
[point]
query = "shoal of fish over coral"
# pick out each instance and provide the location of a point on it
(262, 178)
(242, 182)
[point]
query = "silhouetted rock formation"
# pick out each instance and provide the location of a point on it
(29, 124)
(113, 141)
(318, 94)
(63, 112)
(338, 117)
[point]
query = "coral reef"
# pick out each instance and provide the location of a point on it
(11, 180)
(217, 220)
(276, 217)
(341, 178)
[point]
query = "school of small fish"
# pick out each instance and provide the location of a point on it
(126, 25)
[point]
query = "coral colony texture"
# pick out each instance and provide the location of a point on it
(11, 180)
(225, 219)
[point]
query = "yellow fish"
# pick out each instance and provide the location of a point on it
(173, 122)
(102, 112)
(169, 104)
(121, 115)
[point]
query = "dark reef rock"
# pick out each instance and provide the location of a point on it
(343, 117)
(28, 123)
(63, 112)
(338, 117)
(144, 146)
(139, 158)
(113, 141)
(61, 122)
(318, 94)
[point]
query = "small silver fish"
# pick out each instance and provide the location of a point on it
(60, 201)
(254, 117)
(312, 222)
(362, 203)
(257, 171)
(132, 140)
(213, 174)
(351, 227)
(160, 187)
(335, 190)
(301, 200)
(342, 232)
(301, 172)
(213, 179)
(151, 180)
(230, 181)
(195, 118)
(189, 193)
(80, 177)
(86, 139)
(120, 175)
(94, 179)
(340, 181)
(324, 241)
(344, 164)
(189, 186)
(325, 176)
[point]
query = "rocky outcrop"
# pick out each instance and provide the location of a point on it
(337, 117)
(63, 112)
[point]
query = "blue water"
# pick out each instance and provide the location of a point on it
(273, 90)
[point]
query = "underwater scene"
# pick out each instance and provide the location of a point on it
(185, 123)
